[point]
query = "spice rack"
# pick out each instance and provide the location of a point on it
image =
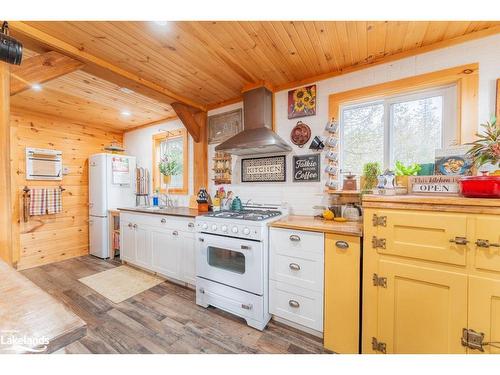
(222, 168)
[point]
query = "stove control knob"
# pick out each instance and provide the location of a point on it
(204, 226)
(214, 227)
(234, 229)
(246, 231)
(224, 228)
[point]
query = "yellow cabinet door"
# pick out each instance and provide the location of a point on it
(422, 235)
(342, 289)
(421, 310)
(487, 243)
(484, 311)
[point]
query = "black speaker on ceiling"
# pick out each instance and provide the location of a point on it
(11, 50)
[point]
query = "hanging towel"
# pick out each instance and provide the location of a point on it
(54, 201)
(38, 202)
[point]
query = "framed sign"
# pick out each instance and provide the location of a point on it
(264, 169)
(437, 184)
(224, 125)
(306, 168)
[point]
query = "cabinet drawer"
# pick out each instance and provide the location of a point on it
(421, 235)
(297, 305)
(163, 221)
(296, 243)
(298, 271)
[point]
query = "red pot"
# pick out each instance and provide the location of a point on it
(480, 186)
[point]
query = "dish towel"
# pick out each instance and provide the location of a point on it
(38, 202)
(54, 201)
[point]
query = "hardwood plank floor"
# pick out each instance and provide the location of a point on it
(163, 319)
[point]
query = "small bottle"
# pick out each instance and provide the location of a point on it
(155, 198)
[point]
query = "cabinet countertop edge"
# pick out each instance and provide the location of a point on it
(178, 211)
(311, 224)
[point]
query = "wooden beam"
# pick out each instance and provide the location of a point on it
(188, 118)
(5, 166)
(200, 154)
(149, 124)
(100, 67)
(40, 69)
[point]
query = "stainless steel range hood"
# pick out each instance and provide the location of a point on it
(257, 136)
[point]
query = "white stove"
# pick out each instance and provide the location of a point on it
(232, 261)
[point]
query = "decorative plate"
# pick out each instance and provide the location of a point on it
(300, 135)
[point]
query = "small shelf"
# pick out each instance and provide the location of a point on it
(343, 192)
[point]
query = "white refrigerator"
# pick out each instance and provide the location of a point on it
(111, 186)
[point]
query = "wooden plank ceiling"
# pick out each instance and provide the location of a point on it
(210, 62)
(82, 97)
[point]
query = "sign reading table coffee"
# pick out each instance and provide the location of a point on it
(265, 169)
(306, 168)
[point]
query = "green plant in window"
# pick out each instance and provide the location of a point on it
(486, 149)
(407, 170)
(370, 173)
(170, 165)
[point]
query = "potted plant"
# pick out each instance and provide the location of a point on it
(486, 149)
(403, 171)
(169, 165)
(369, 177)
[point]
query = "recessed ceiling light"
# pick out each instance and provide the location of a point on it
(126, 90)
(126, 113)
(36, 87)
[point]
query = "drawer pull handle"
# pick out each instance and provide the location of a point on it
(130, 225)
(135, 226)
(246, 306)
(201, 239)
(485, 243)
(294, 303)
(342, 245)
(294, 238)
(201, 290)
(191, 225)
(460, 240)
(294, 266)
(163, 221)
(175, 233)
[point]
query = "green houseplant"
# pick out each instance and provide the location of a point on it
(403, 171)
(369, 177)
(486, 149)
(170, 165)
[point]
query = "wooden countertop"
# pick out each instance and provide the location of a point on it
(27, 310)
(433, 202)
(172, 211)
(310, 223)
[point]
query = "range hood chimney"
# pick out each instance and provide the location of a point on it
(257, 136)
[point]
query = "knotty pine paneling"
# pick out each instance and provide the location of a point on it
(52, 238)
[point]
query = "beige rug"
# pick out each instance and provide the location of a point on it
(121, 283)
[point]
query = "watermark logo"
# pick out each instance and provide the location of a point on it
(12, 342)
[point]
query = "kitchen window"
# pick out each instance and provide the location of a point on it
(406, 127)
(172, 145)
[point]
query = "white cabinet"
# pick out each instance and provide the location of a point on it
(296, 276)
(162, 244)
(166, 252)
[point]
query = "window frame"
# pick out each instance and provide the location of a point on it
(449, 132)
(157, 140)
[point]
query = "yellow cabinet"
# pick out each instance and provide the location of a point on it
(421, 309)
(484, 311)
(342, 293)
(431, 277)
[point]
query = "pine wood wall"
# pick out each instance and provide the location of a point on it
(51, 238)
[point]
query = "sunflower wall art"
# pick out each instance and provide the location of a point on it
(302, 102)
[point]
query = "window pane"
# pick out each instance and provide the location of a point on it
(417, 127)
(363, 136)
(173, 149)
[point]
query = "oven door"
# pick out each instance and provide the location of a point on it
(234, 262)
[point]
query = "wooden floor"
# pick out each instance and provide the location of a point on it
(163, 319)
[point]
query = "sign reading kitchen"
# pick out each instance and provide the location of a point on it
(306, 168)
(265, 169)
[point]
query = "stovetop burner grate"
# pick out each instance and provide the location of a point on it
(253, 215)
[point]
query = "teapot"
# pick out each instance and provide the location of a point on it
(352, 212)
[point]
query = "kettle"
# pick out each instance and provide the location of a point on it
(352, 212)
(236, 204)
